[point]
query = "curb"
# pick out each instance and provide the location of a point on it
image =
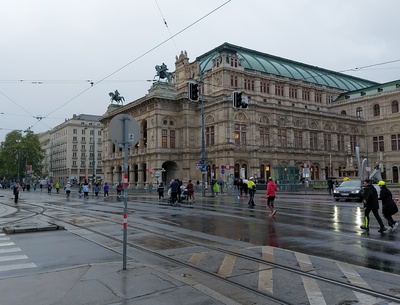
(30, 229)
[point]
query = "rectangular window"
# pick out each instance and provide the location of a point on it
(234, 81)
(306, 95)
(264, 136)
(83, 140)
(378, 144)
(210, 136)
(353, 143)
(83, 147)
(340, 142)
(172, 138)
(74, 139)
(83, 131)
(298, 139)
(282, 137)
(164, 138)
(395, 141)
(328, 142)
(74, 131)
(292, 92)
(313, 140)
(318, 97)
(279, 90)
(234, 62)
(264, 87)
(240, 134)
(73, 163)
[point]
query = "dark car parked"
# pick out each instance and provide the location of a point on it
(351, 190)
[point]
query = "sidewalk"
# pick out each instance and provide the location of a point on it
(104, 283)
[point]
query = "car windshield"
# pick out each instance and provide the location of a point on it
(351, 183)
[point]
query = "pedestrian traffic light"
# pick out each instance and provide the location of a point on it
(237, 99)
(245, 102)
(193, 91)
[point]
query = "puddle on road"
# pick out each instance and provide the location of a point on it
(159, 243)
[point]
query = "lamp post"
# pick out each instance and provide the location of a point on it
(18, 141)
(94, 157)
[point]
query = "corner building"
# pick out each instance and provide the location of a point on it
(297, 114)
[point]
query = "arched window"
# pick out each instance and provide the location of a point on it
(359, 112)
(377, 110)
(343, 112)
(395, 106)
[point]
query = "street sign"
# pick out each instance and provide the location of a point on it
(204, 168)
(157, 175)
(116, 129)
(222, 166)
(222, 171)
(227, 166)
(199, 165)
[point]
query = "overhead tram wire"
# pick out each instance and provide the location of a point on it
(166, 24)
(140, 56)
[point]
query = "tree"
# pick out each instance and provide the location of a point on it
(17, 151)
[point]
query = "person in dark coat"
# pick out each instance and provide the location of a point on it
(371, 203)
(160, 190)
(16, 192)
(330, 186)
(174, 190)
(389, 207)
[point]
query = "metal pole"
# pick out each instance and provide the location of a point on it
(94, 159)
(203, 144)
(125, 190)
(51, 160)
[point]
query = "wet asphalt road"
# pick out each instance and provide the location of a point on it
(311, 224)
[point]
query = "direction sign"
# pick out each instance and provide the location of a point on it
(204, 168)
(222, 171)
(116, 129)
(199, 165)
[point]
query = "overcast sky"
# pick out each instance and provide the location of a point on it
(51, 50)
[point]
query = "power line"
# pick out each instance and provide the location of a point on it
(140, 56)
(166, 24)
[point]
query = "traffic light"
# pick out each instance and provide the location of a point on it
(237, 99)
(193, 90)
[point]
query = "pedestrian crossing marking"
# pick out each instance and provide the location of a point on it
(265, 275)
(10, 250)
(17, 267)
(4, 238)
(196, 258)
(314, 294)
(7, 244)
(13, 257)
(227, 266)
(355, 279)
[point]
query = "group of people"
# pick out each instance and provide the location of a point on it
(371, 204)
(175, 190)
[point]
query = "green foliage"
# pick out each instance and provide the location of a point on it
(17, 151)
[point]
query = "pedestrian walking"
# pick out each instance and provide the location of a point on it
(251, 186)
(106, 189)
(190, 191)
(236, 183)
(67, 189)
(160, 190)
(371, 203)
(389, 207)
(216, 188)
(330, 186)
(85, 190)
(16, 192)
(49, 187)
(57, 187)
(41, 187)
(174, 191)
(119, 191)
(271, 195)
(96, 189)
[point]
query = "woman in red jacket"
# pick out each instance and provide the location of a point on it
(270, 195)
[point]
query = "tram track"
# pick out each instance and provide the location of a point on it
(99, 215)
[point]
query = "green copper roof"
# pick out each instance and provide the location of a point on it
(270, 64)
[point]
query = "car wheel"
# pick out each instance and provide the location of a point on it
(336, 199)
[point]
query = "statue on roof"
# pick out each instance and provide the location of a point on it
(162, 72)
(115, 96)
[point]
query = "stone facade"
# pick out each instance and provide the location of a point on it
(290, 121)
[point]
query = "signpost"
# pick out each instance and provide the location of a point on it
(124, 131)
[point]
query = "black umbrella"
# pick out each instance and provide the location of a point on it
(331, 178)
